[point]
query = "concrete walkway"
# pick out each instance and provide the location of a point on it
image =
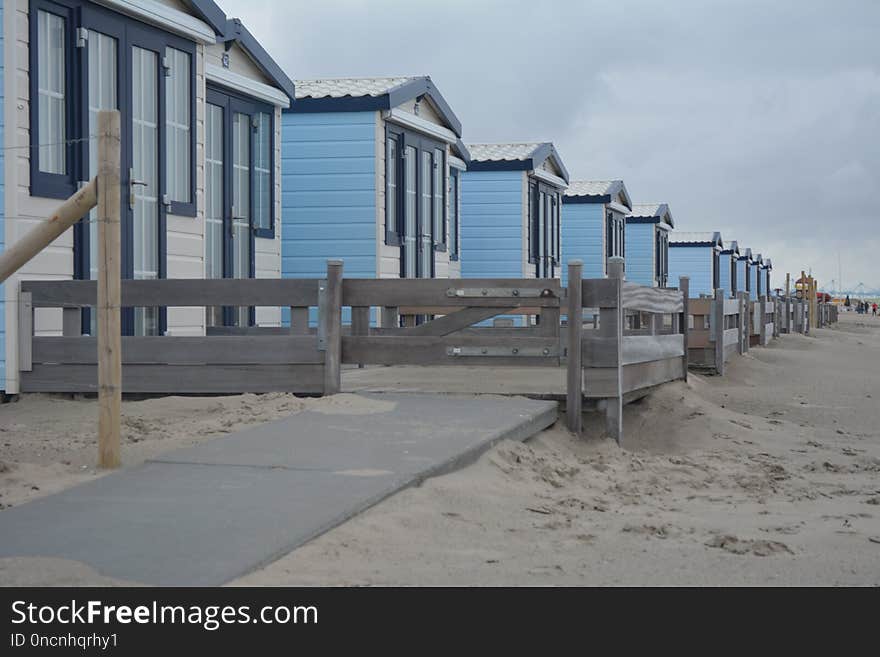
(208, 514)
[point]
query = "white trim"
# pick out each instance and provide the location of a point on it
(161, 15)
(540, 174)
(617, 207)
(662, 225)
(238, 82)
(456, 163)
(418, 124)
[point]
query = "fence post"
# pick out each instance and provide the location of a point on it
(390, 317)
(331, 316)
(718, 319)
(788, 303)
(109, 289)
(25, 331)
(575, 376)
(747, 342)
(613, 328)
(360, 323)
(684, 285)
(762, 319)
(741, 321)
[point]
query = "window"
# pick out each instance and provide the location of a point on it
(716, 270)
(51, 84)
(439, 201)
(661, 257)
(454, 211)
(263, 174)
(73, 44)
(392, 154)
(178, 123)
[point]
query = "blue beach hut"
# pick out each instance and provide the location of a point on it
(593, 228)
(696, 255)
(648, 227)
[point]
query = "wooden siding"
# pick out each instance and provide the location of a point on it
(695, 262)
(640, 254)
(753, 277)
(583, 237)
(492, 224)
(329, 193)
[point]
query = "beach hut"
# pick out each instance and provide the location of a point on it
(648, 227)
(755, 283)
(744, 270)
(767, 268)
(510, 211)
(371, 170)
(696, 255)
(200, 103)
(593, 213)
(727, 267)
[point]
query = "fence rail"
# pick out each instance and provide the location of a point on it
(634, 337)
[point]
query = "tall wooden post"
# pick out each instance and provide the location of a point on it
(762, 319)
(332, 310)
(684, 285)
(718, 320)
(611, 326)
(575, 376)
(742, 325)
(109, 289)
(788, 303)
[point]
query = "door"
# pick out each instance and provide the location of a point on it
(122, 66)
(232, 143)
(421, 198)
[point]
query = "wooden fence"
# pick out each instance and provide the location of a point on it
(716, 331)
(762, 325)
(611, 363)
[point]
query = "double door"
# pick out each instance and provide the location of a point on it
(123, 66)
(230, 148)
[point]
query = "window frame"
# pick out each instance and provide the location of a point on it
(44, 184)
(716, 270)
(441, 242)
(182, 208)
(129, 31)
(453, 214)
(265, 233)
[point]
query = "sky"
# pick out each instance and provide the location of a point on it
(758, 119)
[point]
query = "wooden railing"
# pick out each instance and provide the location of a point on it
(171, 364)
(762, 316)
(614, 363)
(451, 326)
(716, 331)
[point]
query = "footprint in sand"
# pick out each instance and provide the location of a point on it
(756, 547)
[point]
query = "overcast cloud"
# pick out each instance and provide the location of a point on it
(756, 118)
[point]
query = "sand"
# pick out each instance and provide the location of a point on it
(767, 476)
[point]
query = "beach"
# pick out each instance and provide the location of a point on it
(769, 475)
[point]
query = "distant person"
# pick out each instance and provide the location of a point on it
(874, 308)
